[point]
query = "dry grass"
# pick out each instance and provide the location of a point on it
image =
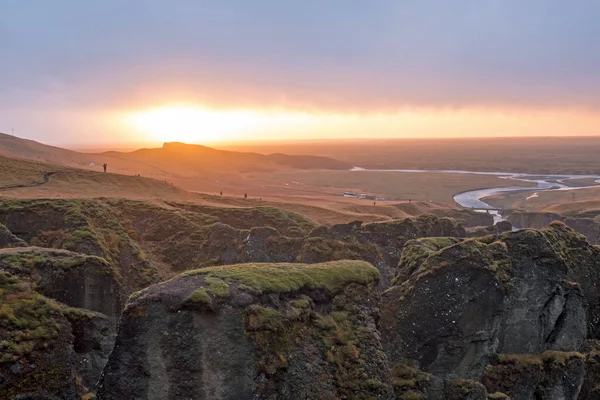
(561, 202)
(438, 187)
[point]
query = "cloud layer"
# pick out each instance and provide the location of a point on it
(331, 56)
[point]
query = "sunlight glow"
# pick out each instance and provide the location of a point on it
(200, 124)
(192, 125)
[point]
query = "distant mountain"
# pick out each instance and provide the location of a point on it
(173, 159)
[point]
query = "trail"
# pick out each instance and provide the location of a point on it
(36, 184)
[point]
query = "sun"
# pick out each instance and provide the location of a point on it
(192, 125)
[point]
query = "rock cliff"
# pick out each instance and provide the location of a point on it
(290, 331)
(58, 320)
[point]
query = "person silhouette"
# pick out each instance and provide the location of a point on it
(105, 165)
(245, 196)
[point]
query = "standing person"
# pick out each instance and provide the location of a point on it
(245, 196)
(105, 165)
(221, 193)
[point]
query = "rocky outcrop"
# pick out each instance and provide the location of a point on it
(147, 242)
(447, 315)
(7, 239)
(84, 226)
(532, 220)
(585, 223)
(379, 243)
(468, 218)
(39, 358)
(59, 312)
(253, 331)
(454, 306)
(74, 279)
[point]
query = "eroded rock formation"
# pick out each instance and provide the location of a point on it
(253, 331)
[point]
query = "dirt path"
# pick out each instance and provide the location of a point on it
(46, 180)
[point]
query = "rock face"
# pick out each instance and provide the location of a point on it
(58, 321)
(454, 306)
(289, 331)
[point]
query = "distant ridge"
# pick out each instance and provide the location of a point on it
(173, 159)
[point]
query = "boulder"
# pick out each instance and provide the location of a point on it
(253, 331)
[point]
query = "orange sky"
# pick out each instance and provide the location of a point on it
(196, 124)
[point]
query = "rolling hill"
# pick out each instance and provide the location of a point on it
(170, 161)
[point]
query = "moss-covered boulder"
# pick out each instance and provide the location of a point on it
(248, 331)
(453, 305)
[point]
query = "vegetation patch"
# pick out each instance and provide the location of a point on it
(199, 296)
(408, 382)
(28, 320)
(288, 277)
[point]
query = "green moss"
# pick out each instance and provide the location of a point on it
(331, 276)
(199, 296)
(417, 251)
(302, 303)
(560, 357)
(217, 286)
(520, 360)
(28, 320)
(259, 318)
(408, 382)
(22, 260)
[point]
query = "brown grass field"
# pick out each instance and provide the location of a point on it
(34, 170)
(315, 194)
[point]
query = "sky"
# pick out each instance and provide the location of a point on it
(145, 71)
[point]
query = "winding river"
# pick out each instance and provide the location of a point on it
(472, 198)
